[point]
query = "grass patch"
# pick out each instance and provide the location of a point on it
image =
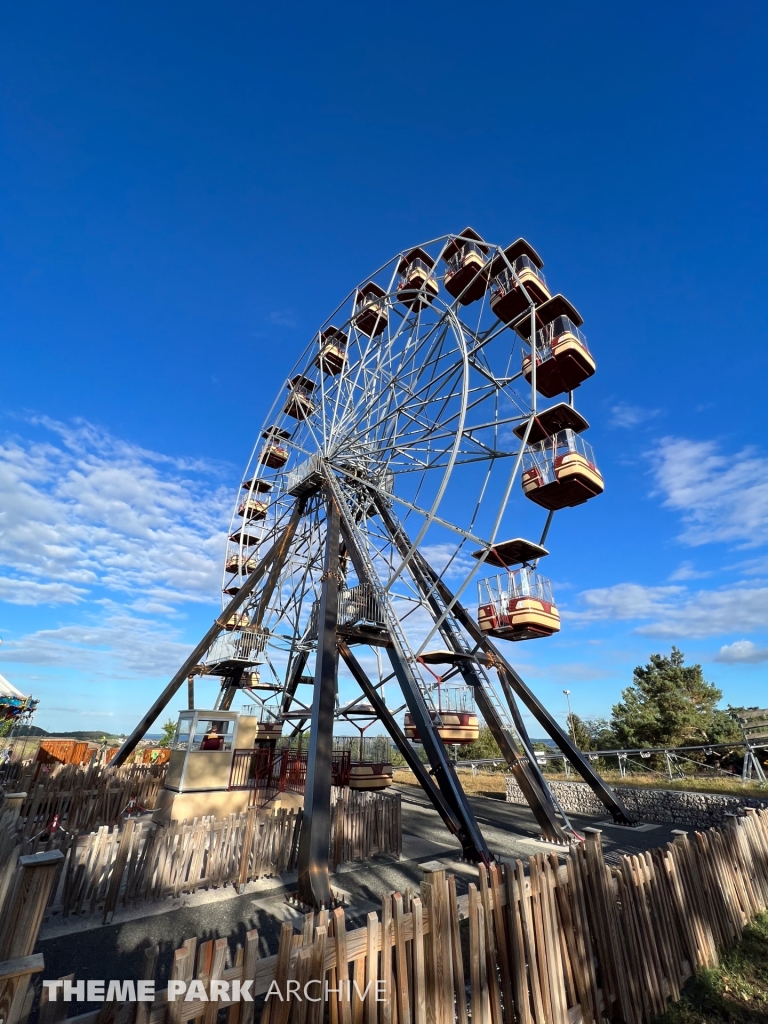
(696, 784)
(736, 992)
(492, 783)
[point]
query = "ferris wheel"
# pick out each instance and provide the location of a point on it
(428, 402)
(394, 513)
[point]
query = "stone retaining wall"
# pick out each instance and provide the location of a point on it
(699, 810)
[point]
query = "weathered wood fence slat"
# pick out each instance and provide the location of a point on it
(582, 941)
(117, 865)
(82, 798)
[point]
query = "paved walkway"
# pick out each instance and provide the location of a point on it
(91, 950)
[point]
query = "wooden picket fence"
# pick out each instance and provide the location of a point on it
(565, 943)
(363, 824)
(140, 860)
(82, 798)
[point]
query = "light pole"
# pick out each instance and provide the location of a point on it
(570, 716)
(571, 730)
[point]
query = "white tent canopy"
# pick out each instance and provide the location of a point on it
(9, 690)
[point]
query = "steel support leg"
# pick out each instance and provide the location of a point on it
(599, 787)
(229, 688)
(239, 599)
(471, 838)
(295, 671)
(398, 737)
(531, 763)
(525, 770)
(314, 887)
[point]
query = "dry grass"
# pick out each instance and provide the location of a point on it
(483, 784)
(699, 784)
(492, 783)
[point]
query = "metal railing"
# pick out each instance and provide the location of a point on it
(238, 646)
(360, 604)
(456, 262)
(310, 468)
(516, 583)
(268, 772)
(364, 749)
(265, 715)
(547, 455)
(506, 281)
(356, 604)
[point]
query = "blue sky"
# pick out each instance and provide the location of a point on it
(187, 186)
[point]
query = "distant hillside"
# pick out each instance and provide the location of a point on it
(92, 737)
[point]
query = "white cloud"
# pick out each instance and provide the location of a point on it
(722, 497)
(675, 612)
(20, 591)
(713, 613)
(282, 318)
(84, 513)
(440, 555)
(119, 645)
(628, 416)
(624, 601)
(752, 567)
(742, 652)
(687, 571)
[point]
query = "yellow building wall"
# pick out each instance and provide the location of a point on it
(179, 806)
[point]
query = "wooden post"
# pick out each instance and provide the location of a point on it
(215, 973)
(342, 966)
(401, 967)
(250, 964)
(148, 970)
(8, 861)
(419, 993)
(458, 960)
(26, 903)
(14, 981)
(11, 808)
(371, 967)
(56, 1011)
(491, 954)
(182, 969)
(118, 868)
(606, 902)
(386, 959)
(245, 854)
(481, 1005)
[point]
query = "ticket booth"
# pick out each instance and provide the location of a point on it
(197, 782)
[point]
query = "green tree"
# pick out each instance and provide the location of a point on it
(169, 731)
(668, 703)
(484, 746)
(580, 733)
(601, 735)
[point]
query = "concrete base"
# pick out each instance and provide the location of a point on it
(285, 801)
(172, 806)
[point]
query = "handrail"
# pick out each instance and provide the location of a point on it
(263, 768)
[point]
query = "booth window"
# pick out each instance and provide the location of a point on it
(212, 734)
(181, 739)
